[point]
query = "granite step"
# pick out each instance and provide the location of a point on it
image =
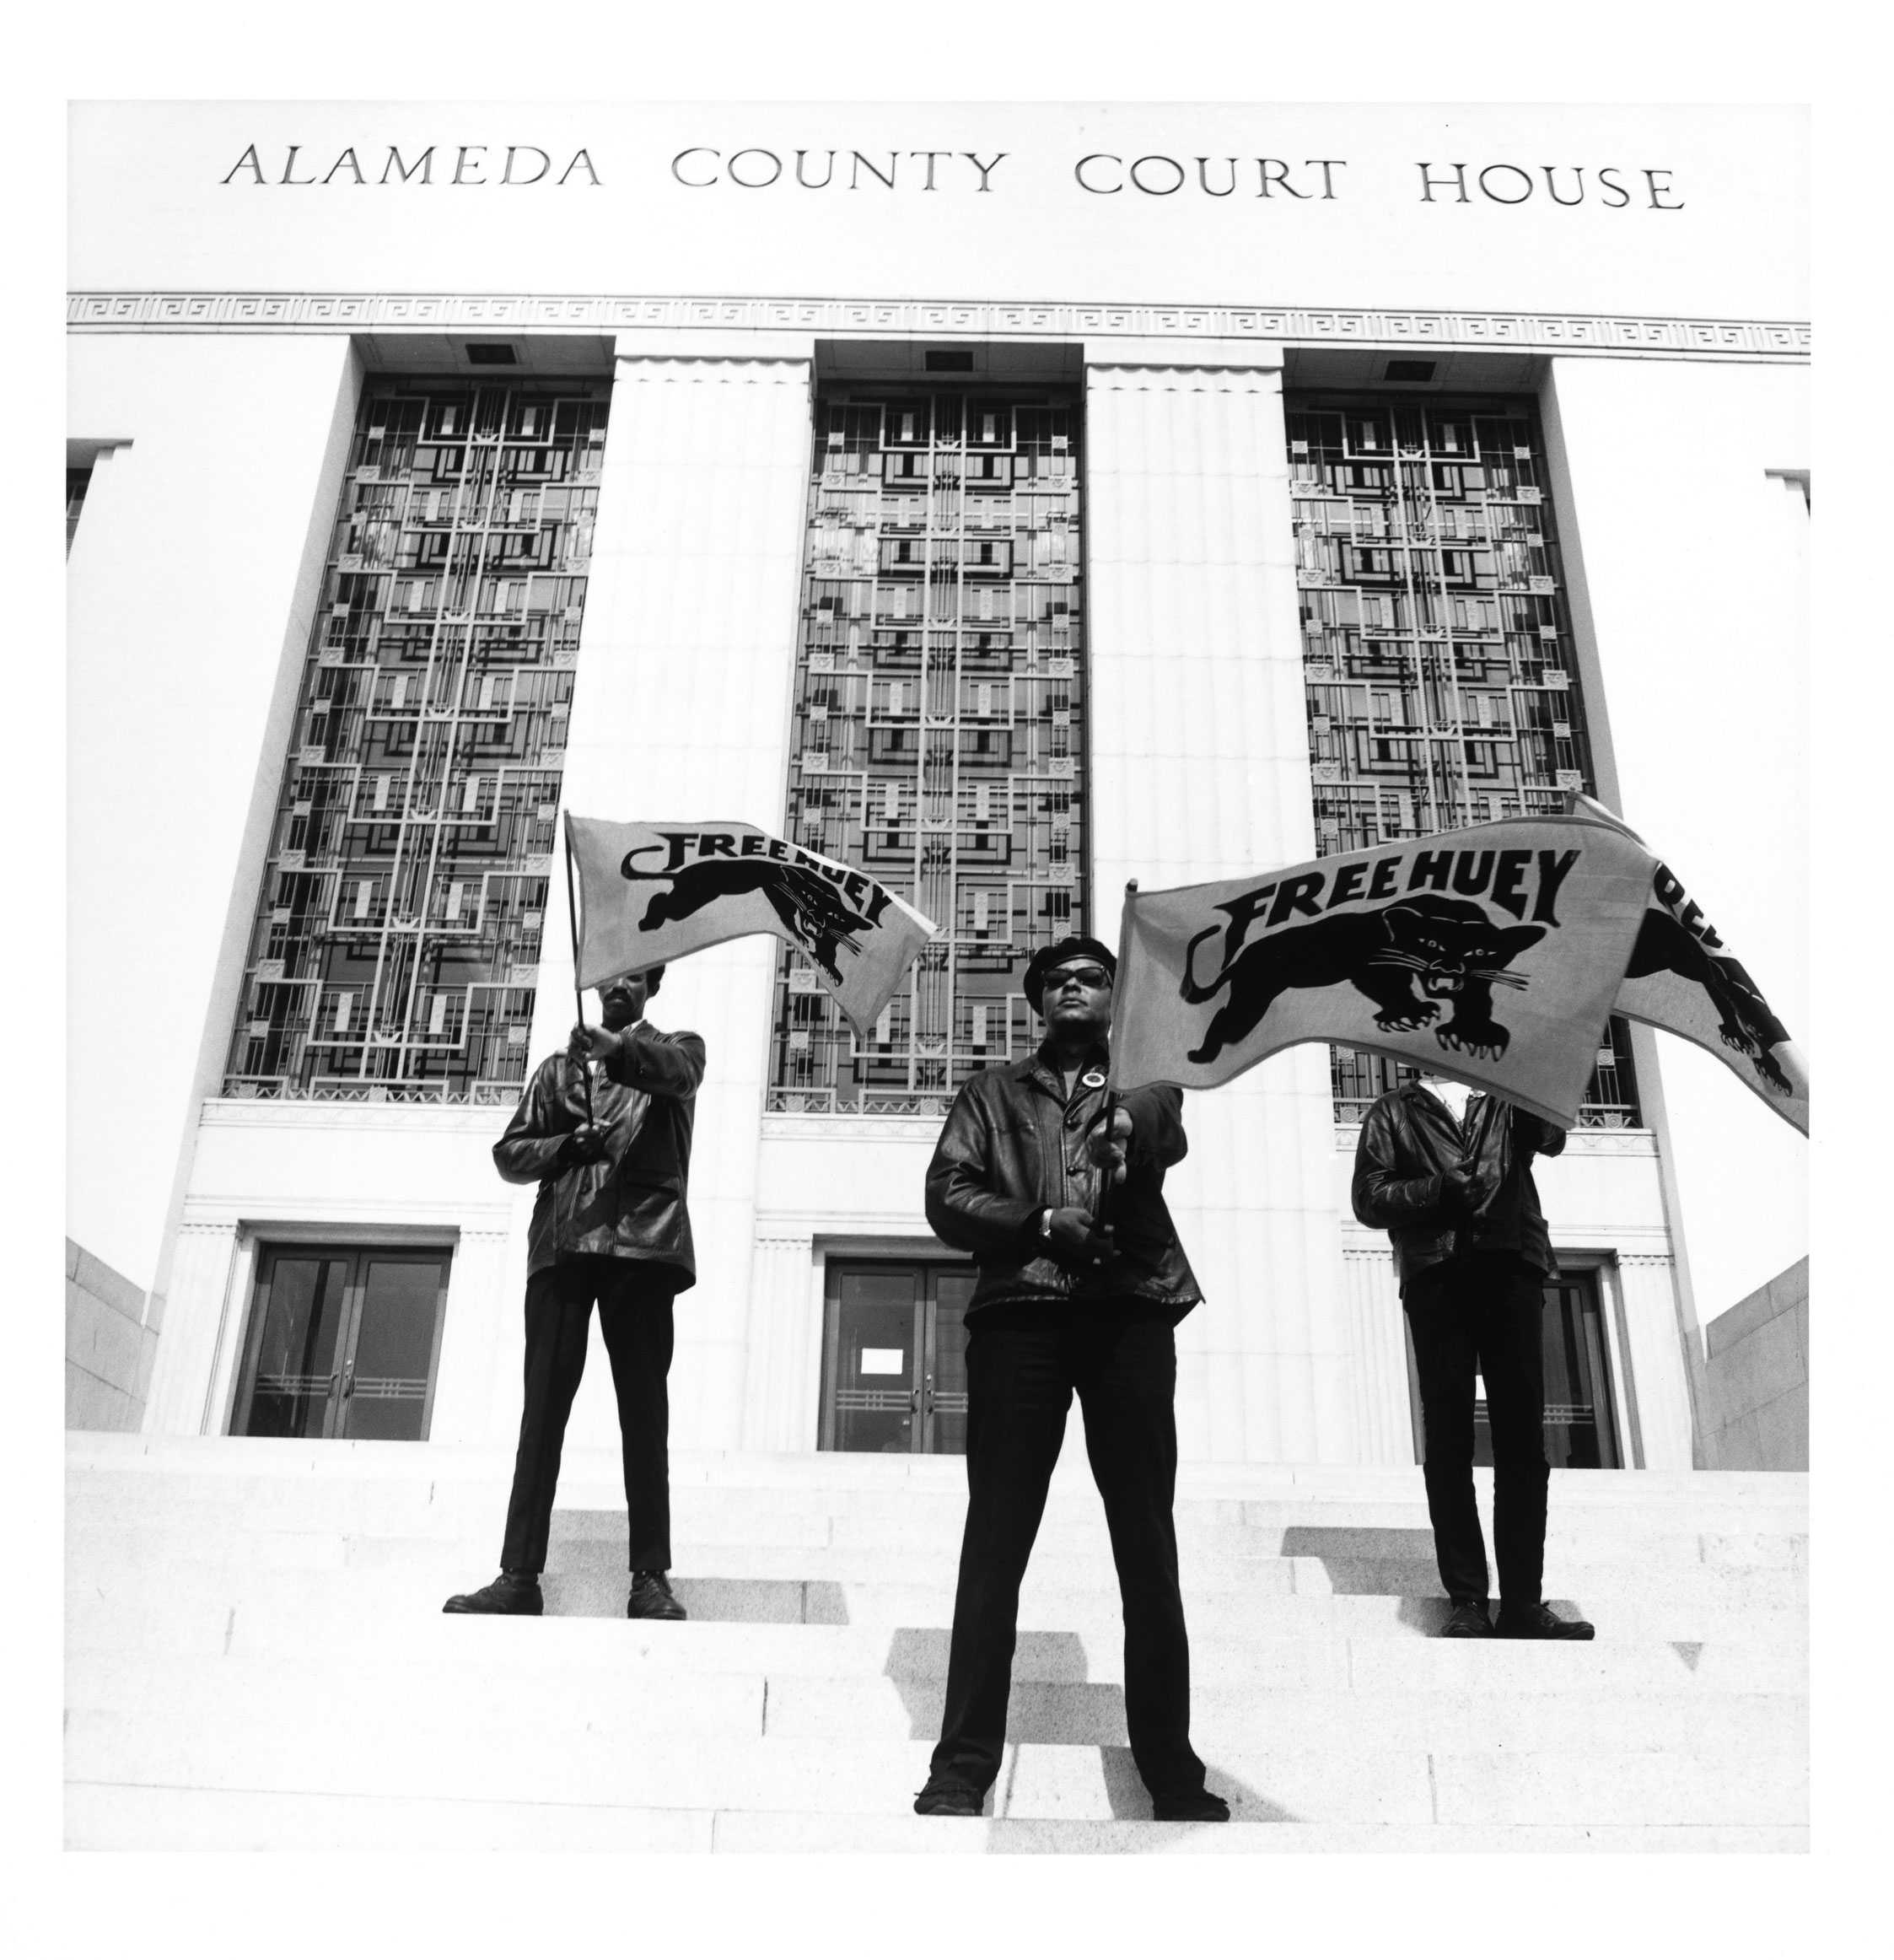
(1092, 1609)
(451, 1564)
(650, 1699)
(610, 1758)
(290, 1625)
(256, 1657)
(122, 1816)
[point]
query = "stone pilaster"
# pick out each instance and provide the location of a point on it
(1371, 1293)
(1648, 1284)
(202, 1321)
(784, 1357)
(681, 711)
(1199, 770)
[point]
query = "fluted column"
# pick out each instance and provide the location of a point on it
(202, 1320)
(1647, 1283)
(1200, 770)
(1377, 1338)
(680, 710)
(781, 1399)
(478, 1304)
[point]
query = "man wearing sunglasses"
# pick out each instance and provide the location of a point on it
(1064, 1305)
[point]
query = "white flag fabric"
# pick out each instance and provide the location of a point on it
(649, 892)
(1494, 953)
(1680, 976)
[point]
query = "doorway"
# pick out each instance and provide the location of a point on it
(1582, 1429)
(893, 1356)
(344, 1342)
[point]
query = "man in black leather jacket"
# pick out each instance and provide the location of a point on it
(1454, 1193)
(611, 1224)
(1063, 1306)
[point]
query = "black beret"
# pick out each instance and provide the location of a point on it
(1078, 947)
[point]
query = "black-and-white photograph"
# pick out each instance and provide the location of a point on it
(971, 977)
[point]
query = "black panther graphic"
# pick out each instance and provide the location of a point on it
(1451, 947)
(806, 901)
(1663, 946)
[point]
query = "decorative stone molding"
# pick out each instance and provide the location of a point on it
(1746, 340)
(300, 1113)
(1578, 1143)
(833, 1128)
(1180, 372)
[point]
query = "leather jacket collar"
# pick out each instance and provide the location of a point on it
(1044, 1069)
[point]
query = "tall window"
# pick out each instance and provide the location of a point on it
(1437, 644)
(938, 738)
(397, 937)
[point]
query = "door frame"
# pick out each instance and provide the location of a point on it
(358, 1250)
(919, 1254)
(1602, 1265)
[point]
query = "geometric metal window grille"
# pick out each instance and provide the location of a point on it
(395, 948)
(1441, 683)
(938, 731)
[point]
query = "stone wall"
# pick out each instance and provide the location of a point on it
(110, 1345)
(1754, 1398)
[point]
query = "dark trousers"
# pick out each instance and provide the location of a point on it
(1023, 1366)
(635, 1317)
(1481, 1312)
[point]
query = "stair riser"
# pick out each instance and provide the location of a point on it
(454, 1566)
(873, 1518)
(210, 1463)
(598, 1764)
(1094, 1613)
(644, 1702)
(107, 1817)
(291, 1633)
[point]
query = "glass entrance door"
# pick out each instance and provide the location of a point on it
(1581, 1433)
(343, 1342)
(894, 1361)
(1581, 1424)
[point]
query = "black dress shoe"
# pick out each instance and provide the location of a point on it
(1190, 1806)
(515, 1592)
(653, 1599)
(1467, 1621)
(948, 1796)
(1540, 1623)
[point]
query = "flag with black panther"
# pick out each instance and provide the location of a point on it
(1683, 976)
(650, 892)
(1493, 954)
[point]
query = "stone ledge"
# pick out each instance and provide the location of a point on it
(110, 1287)
(1782, 1294)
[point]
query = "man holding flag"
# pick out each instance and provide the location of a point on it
(603, 1129)
(1449, 1176)
(1030, 1153)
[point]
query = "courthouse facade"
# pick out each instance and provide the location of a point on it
(1107, 493)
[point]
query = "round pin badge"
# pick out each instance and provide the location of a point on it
(1091, 1080)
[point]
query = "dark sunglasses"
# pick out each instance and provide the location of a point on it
(1092, 977)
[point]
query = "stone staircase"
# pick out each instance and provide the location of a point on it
(256, 1659)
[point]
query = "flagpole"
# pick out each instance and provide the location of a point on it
(1102, 1211)
(578, 996)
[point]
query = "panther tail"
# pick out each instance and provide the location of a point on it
(1193, 990)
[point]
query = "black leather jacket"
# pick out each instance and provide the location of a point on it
(1014, 1146)
(1409, 1138)
(630, 1203)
